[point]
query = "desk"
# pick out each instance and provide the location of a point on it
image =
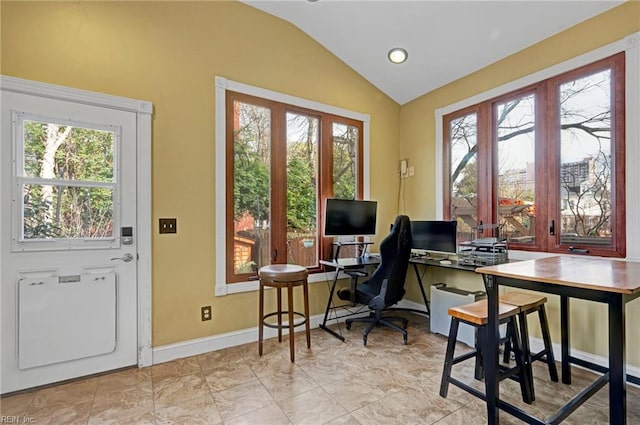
(345, 264)
(341, 265)
(433, 262)
(612, 282)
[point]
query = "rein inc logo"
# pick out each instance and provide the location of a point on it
(15, 419)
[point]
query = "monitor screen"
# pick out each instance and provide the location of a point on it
(348, 217)
(434, 235)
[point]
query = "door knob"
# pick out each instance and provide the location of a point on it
(126, 258)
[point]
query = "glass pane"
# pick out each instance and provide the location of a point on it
(585, 160)
(52, 212)
(53, 151)
(516, 169)
(302, 177)
(463, 145)
(252, 150)
(345, 149)
(345, 143)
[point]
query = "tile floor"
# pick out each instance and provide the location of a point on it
(332, 383)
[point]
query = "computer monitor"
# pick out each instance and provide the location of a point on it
(434, 236)
(349, 217)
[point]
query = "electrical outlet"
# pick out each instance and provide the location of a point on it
(205, 313)
(168, 225)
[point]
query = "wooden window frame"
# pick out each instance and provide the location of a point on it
(546, 156)
(279, 177)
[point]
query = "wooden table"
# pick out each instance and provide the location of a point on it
(612, 282)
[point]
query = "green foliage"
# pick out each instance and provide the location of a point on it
(36, 225)
(301, 195)
(251, 188)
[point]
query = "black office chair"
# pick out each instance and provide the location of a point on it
(386, 285)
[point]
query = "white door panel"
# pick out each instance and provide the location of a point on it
(69, 304)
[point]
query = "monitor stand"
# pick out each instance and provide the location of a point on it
(362, 244)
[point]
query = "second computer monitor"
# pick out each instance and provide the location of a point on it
(434, 236)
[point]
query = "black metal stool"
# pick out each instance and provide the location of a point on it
(530, 303)
(284, 276)
(475, 314)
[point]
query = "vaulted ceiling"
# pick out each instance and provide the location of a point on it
(446, 40)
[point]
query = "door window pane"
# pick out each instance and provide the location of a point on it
(586, 171)
(67, 177)
(252, 158)
(515, 120)
(302, 177)
(53, 212)
(463, 145)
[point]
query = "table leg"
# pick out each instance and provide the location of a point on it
(565, 339)
(323, 325)
(424, 295)
(617, 372)
(491, 367)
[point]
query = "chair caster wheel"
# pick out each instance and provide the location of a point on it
(405, 339)
(405, 324)
(348, 326)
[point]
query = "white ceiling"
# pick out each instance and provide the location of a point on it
(446, 40)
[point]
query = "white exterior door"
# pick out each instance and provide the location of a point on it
(70, 234)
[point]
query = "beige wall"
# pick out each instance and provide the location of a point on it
(418, 144)
(168, 53)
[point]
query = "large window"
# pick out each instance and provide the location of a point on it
(282, 162)
(543, 166)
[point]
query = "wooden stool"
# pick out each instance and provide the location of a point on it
(284, 276)
(475, 314)
(530, 303)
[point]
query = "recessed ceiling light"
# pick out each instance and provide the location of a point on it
(397, 55)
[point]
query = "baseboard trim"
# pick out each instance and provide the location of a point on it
(166, 353)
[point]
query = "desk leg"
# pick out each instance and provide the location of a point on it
(328, 309)
(491, 358)
(617, 372)
(564, 338)
(424, 295)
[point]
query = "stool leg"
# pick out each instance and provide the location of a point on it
(261, 319)
(290, 311)
(279, 314)
(524, 367)
(448, 358)
(551, 361)
(526, 350)
(507, 351)
(481, 340)
(306, 313)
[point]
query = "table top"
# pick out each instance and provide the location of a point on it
(600, 274)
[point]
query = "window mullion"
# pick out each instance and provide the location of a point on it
(486, 168)
(278, 183)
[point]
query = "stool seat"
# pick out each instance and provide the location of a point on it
(477, 312)
(284, 276)
(283, 273)
(524, 300)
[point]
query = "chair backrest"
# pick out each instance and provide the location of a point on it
(395, 253)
